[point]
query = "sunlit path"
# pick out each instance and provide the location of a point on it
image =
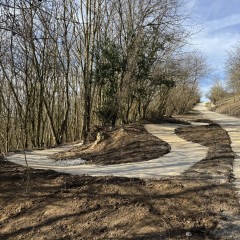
(232, 126)
(182, 156)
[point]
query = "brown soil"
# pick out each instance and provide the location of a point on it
(131, 143)
(219, 160)
(37, 204)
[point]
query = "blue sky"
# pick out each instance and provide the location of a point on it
(219, 24)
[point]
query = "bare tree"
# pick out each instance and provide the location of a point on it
(66, 65)
(232, 66)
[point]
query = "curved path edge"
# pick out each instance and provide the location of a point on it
(182, 156)
(229, 229)
(232, 126)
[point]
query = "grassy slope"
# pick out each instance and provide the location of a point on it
(229, 105)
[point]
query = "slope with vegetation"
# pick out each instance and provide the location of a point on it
(227, 98)
(229, 105)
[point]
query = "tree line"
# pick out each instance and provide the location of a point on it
(230, 86)
(68, 65)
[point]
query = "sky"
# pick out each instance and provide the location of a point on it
(218, 22)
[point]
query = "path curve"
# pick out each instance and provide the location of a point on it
(182, 156)
(232, 126)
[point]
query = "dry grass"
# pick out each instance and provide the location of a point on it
(230, 106)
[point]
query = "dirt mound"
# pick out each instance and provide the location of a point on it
(122, 145)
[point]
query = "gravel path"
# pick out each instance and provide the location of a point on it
(182, 156)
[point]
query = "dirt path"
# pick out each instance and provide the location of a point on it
(182, 156)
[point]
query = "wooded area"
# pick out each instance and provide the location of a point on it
(68, 65)
(230, 86)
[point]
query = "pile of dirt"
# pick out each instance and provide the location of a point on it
(130, 143)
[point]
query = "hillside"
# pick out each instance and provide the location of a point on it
(229, 105)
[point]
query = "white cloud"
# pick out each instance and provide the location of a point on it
(218, 24)
(215, 47)
(191, 4)
(220, 31)
(215, 42)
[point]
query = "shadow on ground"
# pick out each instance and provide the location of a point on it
(38, 204)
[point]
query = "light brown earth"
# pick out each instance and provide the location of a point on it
(38, 204)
